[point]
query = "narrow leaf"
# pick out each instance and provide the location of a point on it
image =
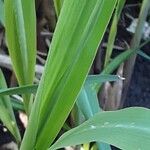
(21, 39)
(95, 80)
(1, 12)
(113, 30)
(16, 104)
(19, 90)
(6, 112)
(58, 5)
(141, 53)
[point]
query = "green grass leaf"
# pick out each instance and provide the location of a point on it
(113, 31)
(126, 129)
(80, 28)
(118, 60)
(20, 25)
(1, 12)
(16, 104)
(28, 89)
(84, 103)
(6, 112)
(58, 5)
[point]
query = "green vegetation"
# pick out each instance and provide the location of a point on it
(66, 88)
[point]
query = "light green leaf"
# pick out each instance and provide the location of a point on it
(58, 5)
(20, 25)
(1, 12)
(127, 129)
(113, 30)
(28, 89)
(6, 112)
(80, 28)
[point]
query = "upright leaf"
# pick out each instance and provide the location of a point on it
(113, 30)
(6, 112)
(21, 39)
(58, 5)
(87, 100)
(1, 12)
(79, 30)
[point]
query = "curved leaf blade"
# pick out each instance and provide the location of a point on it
(21, 37)
(20, 26)
(127, 129)
(1, 12)
(28, 89)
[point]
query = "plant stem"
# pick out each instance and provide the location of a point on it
(129, 65)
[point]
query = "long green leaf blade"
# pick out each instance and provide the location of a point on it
(28, 89)
(73, 38)
(21, 39)
(58, 5)
(1, 12)
(113, 30)
(6, 112)
(127, 129)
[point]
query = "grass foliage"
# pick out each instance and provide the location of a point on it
(65, 86)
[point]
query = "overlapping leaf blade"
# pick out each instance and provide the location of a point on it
(28, 89)
(93, 80)
(21, 39)
(125, 129)
(1, 12)
(113, 30)
(87, 100)
(58, 5)
(6, 112)
(79, 30)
